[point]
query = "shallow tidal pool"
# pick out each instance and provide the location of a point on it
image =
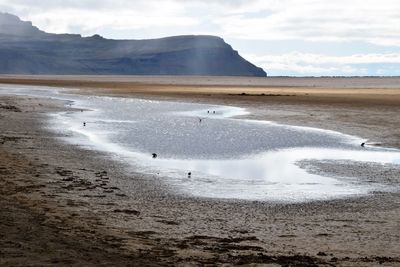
(213, 151)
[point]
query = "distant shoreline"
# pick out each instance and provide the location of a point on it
(364, 82)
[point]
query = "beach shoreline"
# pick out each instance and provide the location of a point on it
(84, 196)
(365, 107)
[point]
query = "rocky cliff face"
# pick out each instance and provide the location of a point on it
(24, 49)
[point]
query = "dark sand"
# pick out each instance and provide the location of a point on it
(63, 205)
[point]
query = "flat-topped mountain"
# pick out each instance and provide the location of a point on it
(24, 49)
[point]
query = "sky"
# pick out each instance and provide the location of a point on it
(285, 37)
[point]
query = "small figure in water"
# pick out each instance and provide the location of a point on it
(208, 111)
(200, 119)
(154, 155)
(362, 144)
(189, 174)
(84, 124)
(214, 111)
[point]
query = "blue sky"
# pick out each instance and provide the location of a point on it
(285, 37)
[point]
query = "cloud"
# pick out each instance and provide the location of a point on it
(314, 20)
(296, 63)
(89, 16)
(64, 20)
(341, 20)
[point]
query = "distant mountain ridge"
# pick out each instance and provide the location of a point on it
(25, 49)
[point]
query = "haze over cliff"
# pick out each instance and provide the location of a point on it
(24, 49)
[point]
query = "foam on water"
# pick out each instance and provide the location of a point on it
(227, 157)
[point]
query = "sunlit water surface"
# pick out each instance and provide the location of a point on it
(227, 157)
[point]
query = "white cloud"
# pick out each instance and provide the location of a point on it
(86, 17)
(319, 64)
(308, 58)
(88, 22)
(313, 20)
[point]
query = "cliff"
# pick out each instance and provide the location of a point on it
(24, 49)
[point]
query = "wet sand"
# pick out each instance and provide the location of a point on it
(366, 107)
(61, 204)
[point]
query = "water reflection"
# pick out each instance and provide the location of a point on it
(227, 158)
(273, 175)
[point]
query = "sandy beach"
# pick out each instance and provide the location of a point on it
(64, 205)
